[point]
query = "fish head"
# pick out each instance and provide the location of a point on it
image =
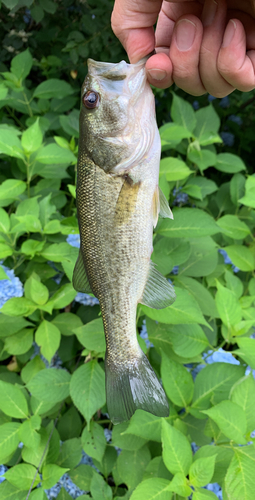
(117, 118)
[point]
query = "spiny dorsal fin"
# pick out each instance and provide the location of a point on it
(158, 292)
(80, 279)
(165, 212)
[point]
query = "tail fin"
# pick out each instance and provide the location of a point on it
(135, 387)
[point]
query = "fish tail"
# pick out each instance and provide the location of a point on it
(131, 387)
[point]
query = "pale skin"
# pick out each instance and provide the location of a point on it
(201, 45)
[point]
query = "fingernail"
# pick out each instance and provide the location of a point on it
(229, 33)
(209, 13)
(185, 34)
(157, 74)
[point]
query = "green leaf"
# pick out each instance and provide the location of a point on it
(186, 340)
(241, 257)
(237, 189)
(81, 476)
(58, 252)
(32, 138)
(50, 385)
(53, 88)
(22, 475)
(27, 432)
(66, 322)
(70, 123)
(174, 169)
(170, 252)
(203, 297)
(48, 338)
(223, 458)
(188, 223)
(216, 379)
(10, 145)
(51, 474)
(4, 221)
(183, 113)
(228, 306)
(142, 424)
(239, 480)
(100, 490)
(20, 342)
(179, 485)
(134, 440)
(35, 290)
(108, 461)
(206, 185)
(177, 454)
(248, 198)
(9, 492)
(132, 464)
(63, 495)
(92, 336)
(11, 189)
(31, 247)
(31, 368)
(152, 489)
(31, 222)
(172, 134)
(234, 283)
(203, 158)
(9, 439)
(13, 401)
(63, 297)
(246, 351)
(201, 494)
(229, 163)
(18, 306)
(177, 381)
(52, 154)
(70, 453)
(87, 388)
(22, 64)
(231, 420)
(5, 251)
(184, 310)
(233, 227)
(207, 121)
(243, 394)
(203, 258)
(93, 441)
(9, 326)
(201, 471)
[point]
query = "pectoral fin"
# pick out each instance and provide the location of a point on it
(158, 292)
(80, 279)
(165, 212)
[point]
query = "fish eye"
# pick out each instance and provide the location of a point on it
(90, 99)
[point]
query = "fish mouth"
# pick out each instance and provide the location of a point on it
(120, 70)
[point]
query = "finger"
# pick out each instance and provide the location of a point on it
(184, 54)
(132, 22)
(213, 19)
(159, 70)
(236, 65)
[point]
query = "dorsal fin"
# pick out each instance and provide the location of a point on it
(165, 212)
(80, 279)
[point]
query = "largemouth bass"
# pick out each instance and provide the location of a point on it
(118, 202)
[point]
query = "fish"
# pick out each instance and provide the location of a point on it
(118, 204)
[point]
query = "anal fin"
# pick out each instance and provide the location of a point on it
(158, 292)
(80, 279)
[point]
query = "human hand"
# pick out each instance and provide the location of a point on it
(201, 45)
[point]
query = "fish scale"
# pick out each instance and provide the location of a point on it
(117, 205)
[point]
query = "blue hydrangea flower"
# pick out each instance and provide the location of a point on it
(66, 483)
(227, 260)
(211, 98)
(220, 356)
(215, 488)
(108, 435)
(144, 335)
(11, 287)
(179, 197)
(85, 299)
(236, 119)
(175, 270)
(3, 469)
(228, 138)
(224, 103)
(195, 105)
(74, 240)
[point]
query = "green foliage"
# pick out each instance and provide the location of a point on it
(53, 396)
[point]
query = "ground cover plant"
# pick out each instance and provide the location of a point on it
(56, 439)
